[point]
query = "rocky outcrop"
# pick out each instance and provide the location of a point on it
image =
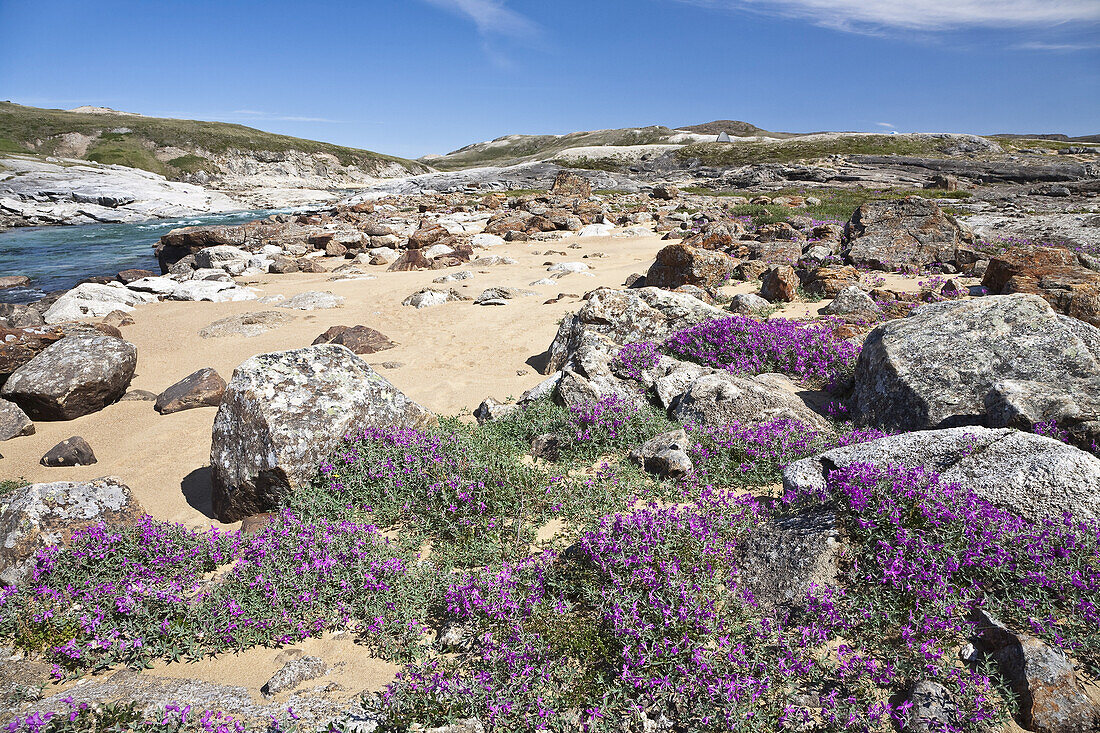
(626, 316)
(1031, 475)
(571, 185)
(909, 234)
(679, 264)
(78, 375)
(995, 361)
(203, 388)
(1053, 273)
(42, 515)
(284, 412)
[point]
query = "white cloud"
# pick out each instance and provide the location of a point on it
(1056, 47)
(490, 16)
(921, 15)
(885, 124)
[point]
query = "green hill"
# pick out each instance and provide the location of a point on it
(173, 148)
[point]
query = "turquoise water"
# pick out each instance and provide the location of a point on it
(58, 257)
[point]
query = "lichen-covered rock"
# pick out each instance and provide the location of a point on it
(665, 455)
(284, 412)
(95, 300)
(1053, 273)
(1028, 474)
(571, 185)
(203, 388)
(995, 361)
(14, 422)
(625, 316)
(932, 709)
(720, 398)
(852, 301)
(749, 303)
(78, 375)
(780, 285)
(42, 515)
(1050, 697)
(360, 339)
(313, 300)
(680, 264)
(20, 345)
(910, 233)
(782, 558)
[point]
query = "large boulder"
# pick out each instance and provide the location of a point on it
(203, 388)
(625, 316)
(93, 300)
(360, 339)
(20, 345)
(1006, 360)
(570, 185)
(14, 423)
(284, 412)
(1031, 475)
(1053, 273)
(679, 264)
(180, 243)
(78, 375)
(910, 233)
(42, 515)
(719, 398)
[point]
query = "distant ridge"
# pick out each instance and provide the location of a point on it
(1055, 136)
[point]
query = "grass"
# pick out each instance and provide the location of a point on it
(796, 149)
(37, 129)
(9, 485)
(592, 164)
(1026, 143)
(193, 164)
(836, 203)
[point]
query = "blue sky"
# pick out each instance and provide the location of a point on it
(411, 77)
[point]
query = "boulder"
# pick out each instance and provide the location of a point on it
(502, 293)
(749, 303)
(909, 234)
(42, 515)
(665, 455)
(829, 281)
(719, 398)
(427, 235)
(783, 558)
(246, 324)
(625, 316)
(571, 185)
(203, 388)
(780, 285)
(284, 412)
(995, 361)
(1050, 697)
(232, 260)
(128, 276)
(294, 673)
(73, 451)
(14, 281)
(852, 301)
(92, 300)
(1028, 474)
(15, 315)
(180, 243)
(1053, 273)
(78, 375)
(428, 297)
(20, 345)
(14, 423)
(360, 339)
(679, 264)
(411, 260)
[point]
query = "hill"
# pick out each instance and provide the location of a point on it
(189, 150)
(735, 128)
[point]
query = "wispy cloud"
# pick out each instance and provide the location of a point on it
(492, 17)
(1056, 47)
(887, 125)
(253, 114)
(921, 15)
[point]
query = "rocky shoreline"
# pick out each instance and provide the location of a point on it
(657, 328)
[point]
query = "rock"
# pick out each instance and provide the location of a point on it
(118, 319)
(679, 264)
(73, 451)
(720, 398)
(203, 388)
(780, 285)
(42, 515)
(305, 265)
(1053, 273)
(714, 236)
(571, 185)
(664, 192)
(1050, 697)
(569, 267)
(232, 260)
(411, 260)
(282, 265)
(626, 316)
(382, 255)
(750, 270)
(128, 276)
(1031, 475)
(665, 455)
(213, 291)
(313, 300)
(595, 230)
(78, 375)
(932, 709)
(14, 281)
(335, 249)
(438, 250)
(427, 235)
(14, 315)
(138, 395)
(246, 324)
(455, 277)
(20, 345)
(14, 423)
(1004, 360)
(749, 303)
(188, 241)
(502, 294)
(294, 673)
(490, 410)
(91, 300)
(547, 447)
(284, 412)
(784, 557)
(360, 339)
(486, 240)
(432, 296)
(492, 261)
(910, 233)
(829, 281)
(852, 301)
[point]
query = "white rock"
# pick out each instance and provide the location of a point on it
(313, 300)
(486, 240)
(92, 300)
(595, 230)
(225, 257)
(545, 281)
(438, 250)
(568, 267)
(271, 250)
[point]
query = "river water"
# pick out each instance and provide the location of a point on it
(59, 257)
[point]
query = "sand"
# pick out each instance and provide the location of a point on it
(453, 355)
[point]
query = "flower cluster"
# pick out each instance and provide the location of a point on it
(633, 360)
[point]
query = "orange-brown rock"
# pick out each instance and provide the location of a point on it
(681, 264)
(1051, 272)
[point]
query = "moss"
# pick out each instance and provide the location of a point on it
(129, 153)
(193, 164)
